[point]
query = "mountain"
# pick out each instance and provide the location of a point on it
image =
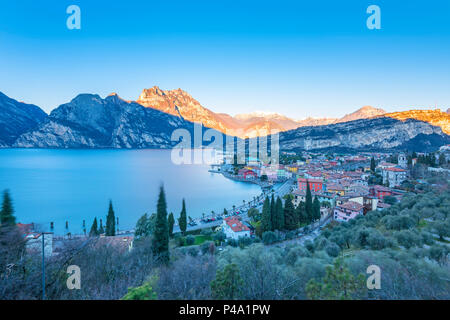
(434, 117)
(17, 118)
(89, 121)
(362, 113)
(379, 133)
(180, 103)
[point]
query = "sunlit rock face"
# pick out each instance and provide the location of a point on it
(381, 133)
(17, 118)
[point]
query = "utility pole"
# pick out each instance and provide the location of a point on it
(43, 263)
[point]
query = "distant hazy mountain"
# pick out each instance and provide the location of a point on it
(362, 113)
(17, 118)
(180, 103)
(89, 121)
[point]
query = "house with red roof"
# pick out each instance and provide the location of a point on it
(234, 228)
(380, 191)
(348, 210)
(393, 176)
(315, 185)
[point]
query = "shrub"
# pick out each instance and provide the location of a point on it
(332, 250)
(180, 241)
(269, 237)
(190, 240)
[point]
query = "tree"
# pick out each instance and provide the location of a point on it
(308, 204)
(254, 214)
(273, 213)
(101, 230)
(372, 165)
(390, 200)
(338, 284)
(182, 222)
(228, 283)
(316, 209)
(290, 217)
(7, 213)
(110, 221)
(269, 237)
(142, 227)
(266, 222)
(144, 292)
(94, 229)
(442, 159)
(171, 222)
(279, 214)
(442, 228)
(300, 213)
(160, 243)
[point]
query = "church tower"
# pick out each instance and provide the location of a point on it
(402, 160)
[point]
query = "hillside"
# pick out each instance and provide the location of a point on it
(17, 118)
(89, 121)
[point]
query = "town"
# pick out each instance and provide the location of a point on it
(344, 186)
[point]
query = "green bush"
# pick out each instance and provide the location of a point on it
(190, 240)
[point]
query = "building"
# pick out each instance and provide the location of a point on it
(348, 210)
(300, 196)
(393, 177)
(247, 174)
(234, 228)
(402, 161)
(315, 185)
(34, 243)
(336, 188)
(380, 192)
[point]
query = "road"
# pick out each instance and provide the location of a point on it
(280, 191)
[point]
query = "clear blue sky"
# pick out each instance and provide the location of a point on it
(299, 58)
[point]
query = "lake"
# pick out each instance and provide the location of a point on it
(75, 185)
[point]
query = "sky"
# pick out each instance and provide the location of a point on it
(298, 58)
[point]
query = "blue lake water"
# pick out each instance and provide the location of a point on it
(76, 185)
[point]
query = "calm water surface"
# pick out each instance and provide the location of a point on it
(72, 185)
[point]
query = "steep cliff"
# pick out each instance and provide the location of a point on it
(89, 121)
(17, 118)
(381, 133)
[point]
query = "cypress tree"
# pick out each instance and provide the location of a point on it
(266, 222)
(316, 209)
(171, 222)
(160, 242)
(110, 221)
(94, 229)
(308, 203)
(280, 213)
(182, 221)
(273, 213)
(300, 213)
(7, 213)
(101, 230)
(372, 164)
(290, 221)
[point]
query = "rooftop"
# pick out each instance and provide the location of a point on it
(351, 205)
